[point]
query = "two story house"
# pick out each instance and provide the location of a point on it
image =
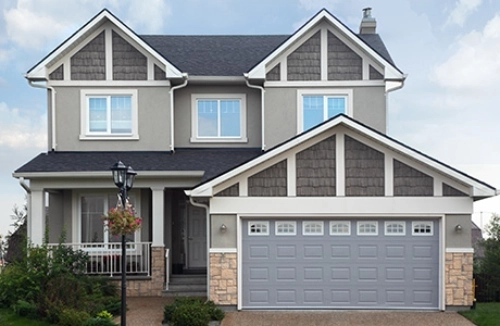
(262, 164)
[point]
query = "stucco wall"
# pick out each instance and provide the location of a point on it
(59, 215)
(153, 124)
(225, 239)
(456, 239)
(182, 112)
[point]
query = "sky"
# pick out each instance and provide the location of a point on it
(450, 50)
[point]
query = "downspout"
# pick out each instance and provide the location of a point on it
(52, 111)
(387, 102)
(263, 118)
(28, 204)
(171, 91)
(191, 200)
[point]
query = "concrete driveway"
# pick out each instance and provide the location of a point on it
(320, 318)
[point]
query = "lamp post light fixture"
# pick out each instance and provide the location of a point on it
(123, 177)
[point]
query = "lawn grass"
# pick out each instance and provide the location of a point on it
(485, 314)
(9, 318)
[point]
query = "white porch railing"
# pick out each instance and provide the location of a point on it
(105, 258)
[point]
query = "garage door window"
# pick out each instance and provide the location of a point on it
(340, 228)
(286, 228)
(312, 228)
(258, 228)
(422, 228)
(367, 228)
(395, 228)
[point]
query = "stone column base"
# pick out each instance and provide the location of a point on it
(458, 279)
(224, 278)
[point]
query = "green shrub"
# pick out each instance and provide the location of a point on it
(25, 309)
(98, 322)
(192, 311)
(72, 317)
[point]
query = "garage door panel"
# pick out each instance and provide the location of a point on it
(347, 271)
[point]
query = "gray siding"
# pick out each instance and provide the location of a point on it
(305, 62)
(316, 174)
(364, 170)
(411, 182)
(343, 63)
(232, 191)
(159, 73)
(269, 183)
(153, 124)
(374, 74)
(57, 74)
(128, 62)
(274, 74)
(182, 115)
(90, 62)
(449, 191)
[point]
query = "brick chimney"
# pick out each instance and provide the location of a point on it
(368, 23)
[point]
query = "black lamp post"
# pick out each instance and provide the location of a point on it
(123, 178)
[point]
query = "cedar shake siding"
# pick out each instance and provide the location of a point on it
(232, 191)
(128, 62)
(90, 62)
(305, 62)
(364, 170)
(449, 191)
(375, 74)
(159, 73)
(269, 183)
(316, 169)
(343, 63)
(274, 74)
(411, 182)
(57, 74)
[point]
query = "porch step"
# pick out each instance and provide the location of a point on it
(187, 285)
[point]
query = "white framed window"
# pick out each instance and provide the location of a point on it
(318, 105)
(109, 114)
(395, 228)
(92, 228)
(367, 228)
(312, 228)
(218, 118)
(340, 228)
(285, 228)
(422, 228)
(258, 228)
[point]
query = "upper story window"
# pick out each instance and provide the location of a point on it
(218, 118)
(109, 114)
(318, 105)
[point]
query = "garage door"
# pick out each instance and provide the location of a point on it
(326, 263)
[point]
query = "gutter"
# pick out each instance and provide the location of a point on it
(171, 91)
(24, 185)
(262, 108)
(52, 145)
(207, 217)
(387, 100)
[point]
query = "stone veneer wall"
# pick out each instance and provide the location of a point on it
(224, 278)
(458, 279)
(150, 287)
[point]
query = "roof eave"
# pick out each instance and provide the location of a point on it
(101, 174)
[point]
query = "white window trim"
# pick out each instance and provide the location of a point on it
(84, 114)
(348, 93)
(266, 223)
(332, 223)
(276, 226)
(359, 223)
(387, 223)
(415, 223)
(322, 232)
(194, 118)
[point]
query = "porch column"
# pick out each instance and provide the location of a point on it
(158, 215)
(36, 217)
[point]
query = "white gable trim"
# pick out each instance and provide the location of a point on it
(479, 189)
(391, 72)
(39, 72)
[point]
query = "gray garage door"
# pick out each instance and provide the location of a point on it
(326, 263)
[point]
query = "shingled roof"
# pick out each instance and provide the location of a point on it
(228, 55)
(212, 161)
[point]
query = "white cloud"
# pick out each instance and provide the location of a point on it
(476, 64)
(21, 130)
(148, 16)
(316, 5)
(463, 8)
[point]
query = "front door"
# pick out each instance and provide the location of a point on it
(197, 238)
